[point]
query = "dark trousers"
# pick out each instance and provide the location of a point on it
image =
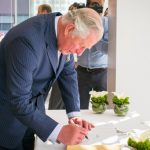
(55, 100)
(95, 79)
(26, 144)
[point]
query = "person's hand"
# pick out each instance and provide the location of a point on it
(82, 123)
(71, 134)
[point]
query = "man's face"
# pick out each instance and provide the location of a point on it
(74, 44)
(97, 5)
(100, 2)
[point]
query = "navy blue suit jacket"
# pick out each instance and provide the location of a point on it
(28, 67)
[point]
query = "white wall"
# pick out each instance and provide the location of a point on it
(132, 42)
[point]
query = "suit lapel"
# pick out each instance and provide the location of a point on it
(53, 57)
(61, 63)
(51, 40)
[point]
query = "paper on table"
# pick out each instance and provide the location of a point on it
(99, 133)
(93, 147)
(130, 124)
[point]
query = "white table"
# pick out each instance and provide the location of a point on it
(105, 131)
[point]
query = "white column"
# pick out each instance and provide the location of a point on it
(132, 42)
(16, 12)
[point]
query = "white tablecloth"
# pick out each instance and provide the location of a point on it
(106, 131)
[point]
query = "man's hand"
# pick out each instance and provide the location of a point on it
(71, 134)
(82, 123)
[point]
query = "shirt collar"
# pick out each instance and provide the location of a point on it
(56, 23)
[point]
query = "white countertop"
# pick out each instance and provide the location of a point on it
(105, 131)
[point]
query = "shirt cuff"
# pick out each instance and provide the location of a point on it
(53, 136)
(74, 114)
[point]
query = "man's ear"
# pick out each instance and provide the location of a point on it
(69, 28)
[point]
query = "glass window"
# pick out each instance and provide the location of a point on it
(57, 5)
(13, 12)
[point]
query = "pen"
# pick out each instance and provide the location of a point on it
(86, 137)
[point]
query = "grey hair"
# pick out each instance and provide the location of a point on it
(84, 22)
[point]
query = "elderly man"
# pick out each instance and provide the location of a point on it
(32, 56)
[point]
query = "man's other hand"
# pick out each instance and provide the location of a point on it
(82, 123)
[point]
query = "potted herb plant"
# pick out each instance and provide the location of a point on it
(99, 101)
(121, 103)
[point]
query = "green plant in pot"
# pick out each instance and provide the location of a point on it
(99, 101)
(139, 140)
(121, 103)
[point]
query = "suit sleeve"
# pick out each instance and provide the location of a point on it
(21, 62)
(69, 86)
